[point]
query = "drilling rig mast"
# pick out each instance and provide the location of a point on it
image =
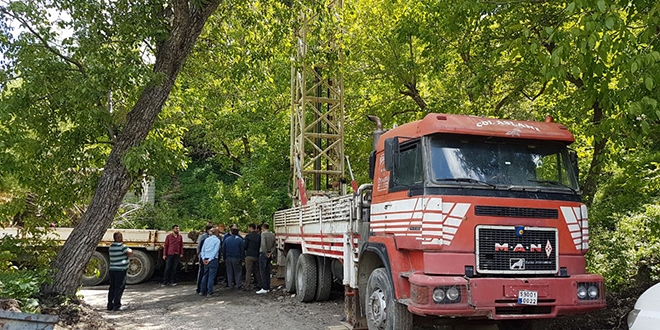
(317, 104)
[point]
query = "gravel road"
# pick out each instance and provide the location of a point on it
(150, 306)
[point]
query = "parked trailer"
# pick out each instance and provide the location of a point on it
(467, 218)
(146, 244)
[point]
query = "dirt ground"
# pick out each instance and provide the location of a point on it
(150, 306)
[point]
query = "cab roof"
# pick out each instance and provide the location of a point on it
(480, 126)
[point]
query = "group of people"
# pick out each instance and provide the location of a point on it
(256, 249)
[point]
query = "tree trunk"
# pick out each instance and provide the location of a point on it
(590, 184)
(115, 181)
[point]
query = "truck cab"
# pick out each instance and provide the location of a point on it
(475, 217)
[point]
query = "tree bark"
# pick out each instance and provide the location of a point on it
(590, 184)
(115, 180)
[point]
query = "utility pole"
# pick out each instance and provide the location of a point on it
(317, 104)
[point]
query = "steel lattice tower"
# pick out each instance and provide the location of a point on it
(317, 103)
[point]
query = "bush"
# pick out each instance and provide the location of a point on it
(628, 255)
(23, 285)
(24, 267)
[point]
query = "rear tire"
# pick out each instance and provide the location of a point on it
(382, 309)
(290, 270)
(306, 277)
(97, 270)
(324, 281)
(140, 267)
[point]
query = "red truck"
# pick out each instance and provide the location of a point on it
(467, 218)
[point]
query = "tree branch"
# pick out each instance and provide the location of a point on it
(44, 42)
(533, 98)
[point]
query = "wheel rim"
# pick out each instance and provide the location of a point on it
(134, 267)
(378, 308)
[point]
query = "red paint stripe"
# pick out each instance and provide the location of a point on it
(326, 252)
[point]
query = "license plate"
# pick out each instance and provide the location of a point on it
(527, 297)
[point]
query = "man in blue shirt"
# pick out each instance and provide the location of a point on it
(232, 250)
(209, 256)
(118, 253)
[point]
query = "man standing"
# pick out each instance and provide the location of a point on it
(200, 272)
(266, 252)
(172, 252)
(209, 256)
(118, 265)
(232, 250)
(251, 245)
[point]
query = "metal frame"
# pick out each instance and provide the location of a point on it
(317, 104)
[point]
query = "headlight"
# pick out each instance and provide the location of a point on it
(593, 292)
(453, 293)
(438, 295)
(581, 292)
(632, 316)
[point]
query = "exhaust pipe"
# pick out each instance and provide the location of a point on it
(379, 129)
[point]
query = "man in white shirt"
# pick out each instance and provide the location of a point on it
(209, 257)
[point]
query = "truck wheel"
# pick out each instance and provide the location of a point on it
(290, 271)
(306, 277)
(97, 270)
(324, 282)
(383, 311)
(140, 267)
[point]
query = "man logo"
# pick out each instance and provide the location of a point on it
(517, 264)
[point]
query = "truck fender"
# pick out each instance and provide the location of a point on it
(372, 255)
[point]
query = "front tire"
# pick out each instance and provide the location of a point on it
(97, 270)
(290, 271)
(140, 267)
(382, 309)
(306, 277)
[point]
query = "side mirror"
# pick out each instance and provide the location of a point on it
(391, 153)
(572, 156)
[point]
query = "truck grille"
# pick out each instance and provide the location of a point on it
(500, 251)
(516, 212)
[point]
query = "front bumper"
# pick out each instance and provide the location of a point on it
(497, 298)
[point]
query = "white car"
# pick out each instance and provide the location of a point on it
(646, 315)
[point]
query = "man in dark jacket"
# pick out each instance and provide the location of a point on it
(251, 245)
(232, 250)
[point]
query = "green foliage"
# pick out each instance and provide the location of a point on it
(24, 266)
(23, 285)
(629, 189)
(624, 255)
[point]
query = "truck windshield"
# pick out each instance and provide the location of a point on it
(501, 163)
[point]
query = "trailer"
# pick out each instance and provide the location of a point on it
(147, 246)
(467, 218)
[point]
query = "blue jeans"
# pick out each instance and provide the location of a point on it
(264, 267)
(210, 271)
(234, 272)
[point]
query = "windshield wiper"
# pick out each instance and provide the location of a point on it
(554, 183)
(468, 180)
